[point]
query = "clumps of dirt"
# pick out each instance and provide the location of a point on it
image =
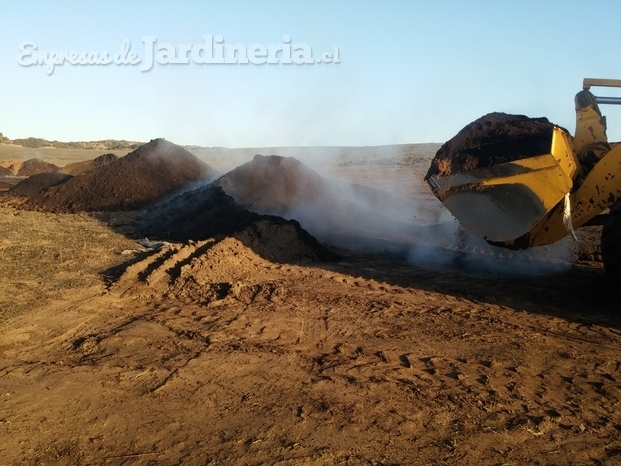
(36, 183)
(280, 240)
(148, 174)
(203, 272)
(226, 269)
(80, 167)
(35, 166)
(493, 139)
(208, 212)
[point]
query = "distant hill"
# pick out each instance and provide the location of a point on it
(220, 158)
(106, 144)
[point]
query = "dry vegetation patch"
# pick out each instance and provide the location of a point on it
(44, 254)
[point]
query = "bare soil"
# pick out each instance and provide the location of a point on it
(211, 352)
(15, 155)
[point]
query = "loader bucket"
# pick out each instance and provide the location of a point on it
(503, 202)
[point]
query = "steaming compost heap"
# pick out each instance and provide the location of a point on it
(327, 208)
(36, 183)
(146, 175)
(273, 184)
(250, 201)
(493, 139)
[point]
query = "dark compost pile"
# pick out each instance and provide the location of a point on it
(148, 174)
(34, 166)
(493, 139)
(36, 183)
(81, 167)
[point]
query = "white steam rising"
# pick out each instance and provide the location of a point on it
(395, 212)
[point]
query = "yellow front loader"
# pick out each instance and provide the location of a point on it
(539, 200)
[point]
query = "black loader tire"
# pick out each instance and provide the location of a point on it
(611, 244)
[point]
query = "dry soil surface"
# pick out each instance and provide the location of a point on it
(208, 353)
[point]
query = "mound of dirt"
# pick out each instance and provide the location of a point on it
(4, 171)
(286, 187)
(273, 184)
(146, 175)
(493, 139)
(203, 271)
(35, 166)
(84, 166)
(208, 212)
(36, 183)
(280, 240)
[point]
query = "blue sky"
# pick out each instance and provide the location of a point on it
(409, 71)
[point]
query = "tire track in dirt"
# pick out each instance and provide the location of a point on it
(225, 352)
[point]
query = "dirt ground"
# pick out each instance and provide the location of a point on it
(207, 353)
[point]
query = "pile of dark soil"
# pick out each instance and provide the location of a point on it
(35, 166)
(327, 208)
(81, 167)
(36, 183)
(493, 139)
(208, 212)
(148, 174)
(5, 171)
(273, 184)
(4, 186)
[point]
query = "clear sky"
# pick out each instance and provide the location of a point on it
(408, 71)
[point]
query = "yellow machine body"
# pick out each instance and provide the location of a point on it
(539, 200)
